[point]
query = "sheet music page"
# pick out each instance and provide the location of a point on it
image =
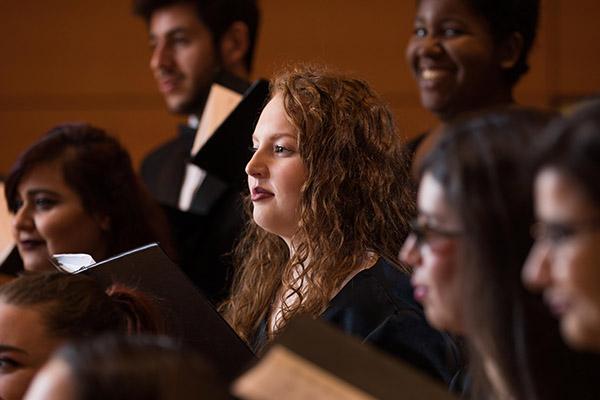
(282, 374)
(220, 103)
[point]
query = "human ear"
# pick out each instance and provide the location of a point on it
(510, 50)
(233, 48)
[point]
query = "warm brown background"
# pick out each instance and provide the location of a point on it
(86, 60)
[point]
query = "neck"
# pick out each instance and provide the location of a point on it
(502, 97)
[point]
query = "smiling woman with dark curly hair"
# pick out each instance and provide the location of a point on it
(330, 204)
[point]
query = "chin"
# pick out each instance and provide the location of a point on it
(579, 336)
(435, 105)
(37, 265)
(177, 107)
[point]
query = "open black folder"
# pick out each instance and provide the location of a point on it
(189, 317)
(226, 153)
(313, 360)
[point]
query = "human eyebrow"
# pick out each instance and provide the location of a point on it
(275, 136)
(284, 134)
(14, 349)
(177, 31)
(429, 218)
(35, 191)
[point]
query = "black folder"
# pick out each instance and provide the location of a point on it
(189, 316)
(226, 153)
(318, 361)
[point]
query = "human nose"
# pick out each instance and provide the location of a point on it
(161, 57)
(22, 220)
(410, 252)
(536, 271)
(256, 167)
(429, 45)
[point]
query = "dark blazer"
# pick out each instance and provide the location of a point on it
(377, 306)
(207, 232)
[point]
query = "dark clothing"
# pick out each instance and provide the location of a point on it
(206, 233)
(413, 144)
(12, 264)
(377, 306)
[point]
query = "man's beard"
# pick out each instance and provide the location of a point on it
(196, 103)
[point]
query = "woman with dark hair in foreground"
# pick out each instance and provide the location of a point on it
(468, 246)
(39, 312)
(126, 368)
(564, 264)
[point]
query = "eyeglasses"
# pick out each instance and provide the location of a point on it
(557, 232)
(427, 234)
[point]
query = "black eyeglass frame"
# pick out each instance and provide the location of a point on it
(556, 232)
(422, 231)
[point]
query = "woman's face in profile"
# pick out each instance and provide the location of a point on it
(452, 56)
(565, 261)
(276, 172)
(50, 219)
(25, 345)
(432, 250)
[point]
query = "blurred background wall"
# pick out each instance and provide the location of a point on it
(84, 60)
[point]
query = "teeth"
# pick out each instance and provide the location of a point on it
(430, 74)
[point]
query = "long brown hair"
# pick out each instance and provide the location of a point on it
(483, 162)
(356, 199)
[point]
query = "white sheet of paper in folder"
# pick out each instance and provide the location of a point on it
(220, 103)
(72, 263)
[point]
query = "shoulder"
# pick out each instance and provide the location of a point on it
(176, 148)
(383, 287)
(377, 307)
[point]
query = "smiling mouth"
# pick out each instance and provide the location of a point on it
(432, 76)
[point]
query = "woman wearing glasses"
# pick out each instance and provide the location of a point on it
(565, 261)
(468, 246)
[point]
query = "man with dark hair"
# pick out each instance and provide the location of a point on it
(193, 42)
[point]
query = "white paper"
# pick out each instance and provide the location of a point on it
(73, 262)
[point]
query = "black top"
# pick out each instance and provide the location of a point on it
(377, 306)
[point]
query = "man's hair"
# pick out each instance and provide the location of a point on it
(217, 15)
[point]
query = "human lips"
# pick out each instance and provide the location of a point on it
(259, 193)
(30, 244)
(419, 291)
(557, 304)
(430, 77)
(168, 84)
